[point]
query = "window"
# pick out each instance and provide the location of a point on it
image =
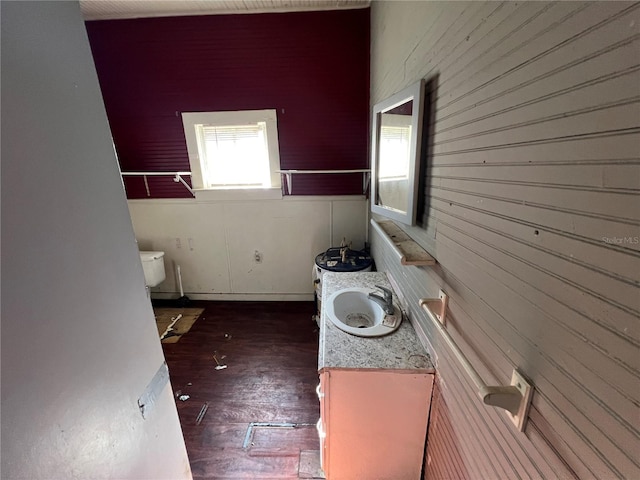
(233, 150)
(395, 142)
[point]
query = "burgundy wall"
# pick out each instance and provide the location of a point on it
(313, 67)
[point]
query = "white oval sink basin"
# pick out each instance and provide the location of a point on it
(352, 311)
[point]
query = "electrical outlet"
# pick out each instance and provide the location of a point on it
(178, 243)
(257, 257)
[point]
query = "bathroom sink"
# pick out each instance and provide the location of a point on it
(352, 311)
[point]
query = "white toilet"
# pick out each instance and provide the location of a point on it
(153, 266)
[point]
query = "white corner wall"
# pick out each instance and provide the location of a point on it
(79, 341)
(532, 213)
(214, 242)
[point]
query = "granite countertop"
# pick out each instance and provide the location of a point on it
(400, 350)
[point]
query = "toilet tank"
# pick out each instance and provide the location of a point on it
(153, 266)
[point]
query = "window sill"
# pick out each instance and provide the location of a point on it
(238, 194)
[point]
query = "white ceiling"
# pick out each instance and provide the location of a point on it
(112, 9)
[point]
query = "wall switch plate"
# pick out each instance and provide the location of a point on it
(526, 390)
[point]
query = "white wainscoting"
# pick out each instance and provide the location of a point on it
(214, 242)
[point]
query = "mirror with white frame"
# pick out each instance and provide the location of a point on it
(395, 154)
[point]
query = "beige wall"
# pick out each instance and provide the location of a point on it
(532, 212)
(79, 340)
(214, 242)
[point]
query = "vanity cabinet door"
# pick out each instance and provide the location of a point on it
(375, 423)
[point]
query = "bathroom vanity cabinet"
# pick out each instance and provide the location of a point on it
(374, 423)
(375, 396)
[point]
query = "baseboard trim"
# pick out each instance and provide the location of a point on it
(240, 297)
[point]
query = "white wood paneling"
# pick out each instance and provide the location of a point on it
(349, 220)
(532, 212)
(191, 235)
(214, 243)
(288, 237)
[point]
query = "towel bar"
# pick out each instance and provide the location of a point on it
(515, 398)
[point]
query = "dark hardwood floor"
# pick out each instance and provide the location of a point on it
(270, 349)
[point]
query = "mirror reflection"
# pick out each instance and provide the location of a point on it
(396, 136)
(394, 150)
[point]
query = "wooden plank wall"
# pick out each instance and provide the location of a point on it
(316, 78)
(532, 211)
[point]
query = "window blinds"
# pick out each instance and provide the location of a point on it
(236, 155)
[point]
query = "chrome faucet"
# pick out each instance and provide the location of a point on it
(386, 302)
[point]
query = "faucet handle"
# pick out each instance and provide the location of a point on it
(388, 294)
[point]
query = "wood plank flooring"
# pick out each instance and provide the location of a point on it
(270, 349)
